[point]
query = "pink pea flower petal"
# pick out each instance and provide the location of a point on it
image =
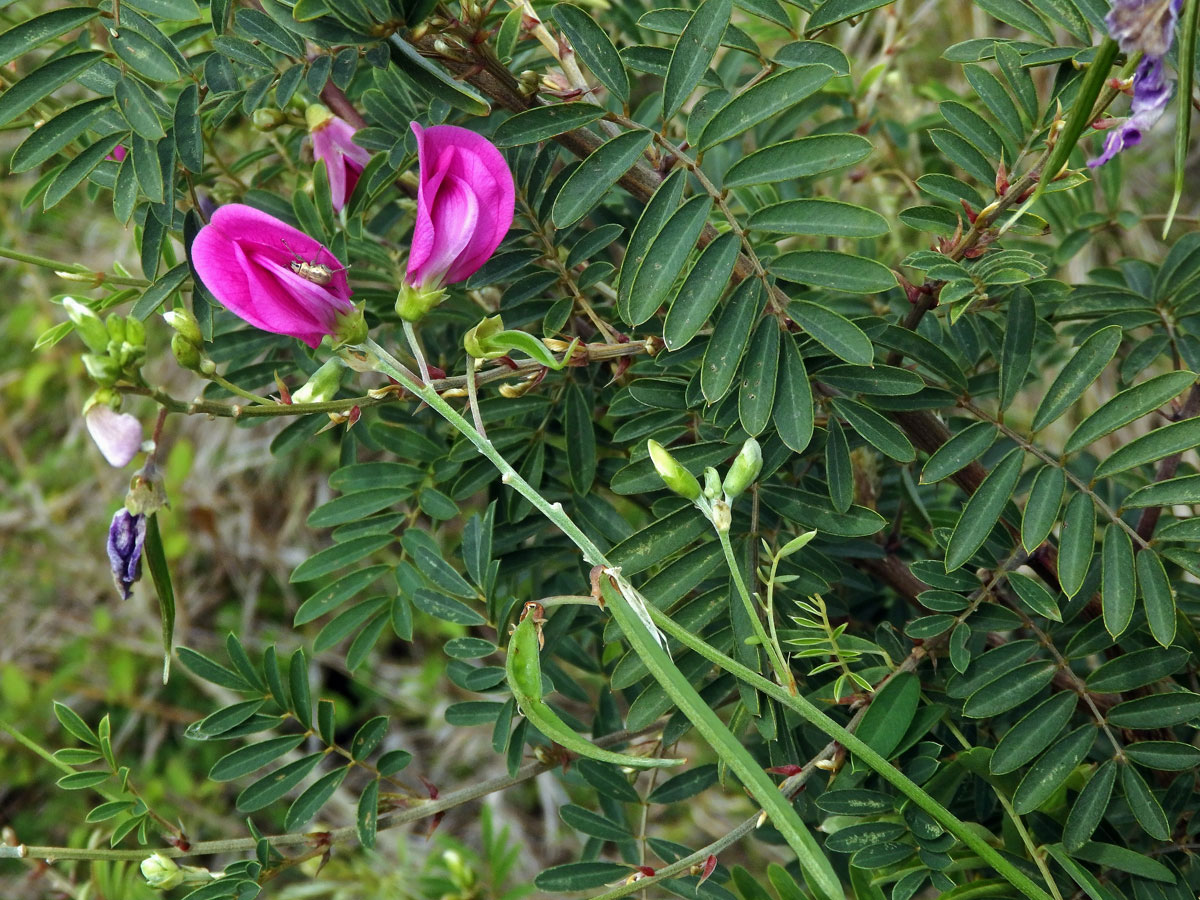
(118, 435)
(333, 143)
(244, 257)
(118, 153)
(447, 249)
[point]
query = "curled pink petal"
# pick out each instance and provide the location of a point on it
(245, 256)
(333, 143)
(118, 435)
(462, 174)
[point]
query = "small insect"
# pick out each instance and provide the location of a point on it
(317, 273)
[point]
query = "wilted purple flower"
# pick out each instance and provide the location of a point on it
(1147, 27)
(333, 143)
(118, 435)
(126, 536)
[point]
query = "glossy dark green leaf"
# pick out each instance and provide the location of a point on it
(446, 608)
(1016, 351)
(1137, 669)
(1184, 490)
(1011, 689)
(855, 802)
(1049, 773)
(729, 339)
(1080, 371)
(579, 876)
(330, 597)
(1033, 596)
(78, 169)
(1158, 598)
(800, 158)
(857, 837)
(1164, 756)
(593, 824)
(659, 540)
(1144, 805)
(879, 380)
(1128, 406)
(189, 141)
(660, 208)
(1042, 506)
(1089, 806)
(1118, 585)
(693, 52)
(272, 787)
(1033, 733)
(74, 724)
(685, 785)
(765, 100)
(1156, 711)
(836, 271)
(838, 470)
(431, 78)
(135, 101)
(338, 556)
(160, 574)
(594, 47)
(355, 505)
(1175, 437)
(1077, 544)
(819, 217)
(813, 511)
(581, 439)
(245, 760)
(594, 176)
(54, 135)
(834, 332)
(875, 428)
(32, 33)
(983, 510)
(793, 412)
(544, 122)
(756, 393)
(960, 451)
(367, 815)
(665, 257)
(698, 295)
(833, 11)
(44, 80)
(890, 714)
(145, 56)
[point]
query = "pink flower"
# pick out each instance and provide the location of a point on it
(465, 205)
(118, 153)
(333, 143)
(273, 276)
(118, 435)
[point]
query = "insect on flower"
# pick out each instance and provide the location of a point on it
(311, 270)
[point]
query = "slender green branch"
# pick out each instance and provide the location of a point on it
(72, 271)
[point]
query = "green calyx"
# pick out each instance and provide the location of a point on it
(413, 303)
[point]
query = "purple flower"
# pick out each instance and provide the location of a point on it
(465, 203)
(118, 153)
(333, 143)
(126, 536)
(1147, 27)
(118, 435)
(273, 276)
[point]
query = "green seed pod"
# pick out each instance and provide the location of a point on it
(674, 476)
(744, 470)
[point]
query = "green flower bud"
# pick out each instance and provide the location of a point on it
(476, 340)
(116, 328)
(135, 331)
(88, 324)
(185, 323)
(712, 483)
(413, 303)
(103, 369)
(744, 470)
(265, 119)
(674, 476)
(323, 384)
(186, 353)
(316, 115)
(161, 872)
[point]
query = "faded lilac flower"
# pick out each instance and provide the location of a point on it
(275, 277)
(126, 536)
(1147, 27)
(333, 143)
(118, 435)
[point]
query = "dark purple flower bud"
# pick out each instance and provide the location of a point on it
(126, 536)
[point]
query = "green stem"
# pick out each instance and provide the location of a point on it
(415, 345)
(783, 674)
(71, 271)
(239, 391)
(863, 751)
(624, 602)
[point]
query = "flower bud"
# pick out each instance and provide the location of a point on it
(161, 872)
(185, 324)
(135, 331)
(126, 537)
(674, 476)
(265, 119)
(104, 370)
(412, 303)
(712, 483)
(744, 470)
(186, 353)
(87, 323)
(116, 328)
(721, 516)
(323, 384)
(316, 115)
(476, 340)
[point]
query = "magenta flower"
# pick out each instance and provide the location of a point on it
(275, 277)
(118, 435)
(333, 143)
(118, 153)
(465, 204)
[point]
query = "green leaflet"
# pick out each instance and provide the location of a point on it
(523, 670)
(1083, 368)
(983, 509)
(693, 52)
(1128, 406)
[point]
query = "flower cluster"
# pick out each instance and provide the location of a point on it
(1147, 27)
